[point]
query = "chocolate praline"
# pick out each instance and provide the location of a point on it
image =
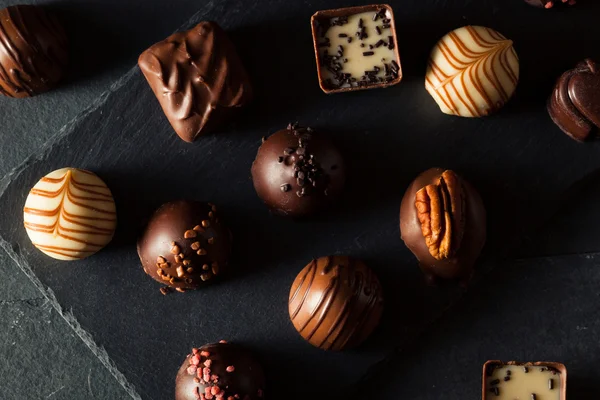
(298, 172)
(33, 51)
(574, 105)
(220, 371)
(443, 223)
(335, 302)
(185, 245)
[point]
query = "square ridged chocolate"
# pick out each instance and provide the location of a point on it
(198, 79)
(539, 380)
(356, 48)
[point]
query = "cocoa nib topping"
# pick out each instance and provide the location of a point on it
(308, 174)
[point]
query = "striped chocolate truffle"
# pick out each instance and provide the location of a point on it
(472, 71)
(33, 51)
(335, 302)
(70, 214)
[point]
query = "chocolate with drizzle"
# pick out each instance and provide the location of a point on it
(335, 302)
(33, 51)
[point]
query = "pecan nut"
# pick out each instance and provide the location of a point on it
(441, 212)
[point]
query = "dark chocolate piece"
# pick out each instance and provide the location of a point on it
(335, 302)
(575, 102)
(309, 178)
(198, 79)
(549, 3)
(220, 371)
(33, 51)
(331, 66)
(185, 245)
(443, 222)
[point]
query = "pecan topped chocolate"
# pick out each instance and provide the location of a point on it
(197, 77)
(440, 210)
(443, 222)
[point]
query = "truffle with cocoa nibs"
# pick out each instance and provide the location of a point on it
(220, 371)
(443, 223)
(298, 172)
(185, 245)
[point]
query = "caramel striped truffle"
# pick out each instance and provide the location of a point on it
(472, 72)
(335, 302)
(70, 214)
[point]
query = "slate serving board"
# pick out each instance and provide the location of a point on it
(520, 162)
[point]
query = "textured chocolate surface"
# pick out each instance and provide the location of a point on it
(33, 51)
(197, 77)
(185, 245)
(335, 302)
(460, 263)
(298, 172)
(220, 371)
(575, 102)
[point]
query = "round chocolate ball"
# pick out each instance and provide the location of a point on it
(185, 245)
(443, 222)
(335, 302)
(220, 371)
(298, 172)
(70, 214)
(33, 51)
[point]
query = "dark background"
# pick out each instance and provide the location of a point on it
(100, 329)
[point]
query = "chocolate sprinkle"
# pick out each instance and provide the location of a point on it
(550, 384)
(368, 53)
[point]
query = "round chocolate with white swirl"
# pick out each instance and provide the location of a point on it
(335, 302)
(472, 72)
(33, 51)
(70, 214)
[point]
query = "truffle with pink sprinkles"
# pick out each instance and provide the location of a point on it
(549, 3)
(220, 371)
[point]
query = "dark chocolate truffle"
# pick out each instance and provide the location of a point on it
(575, 102)
(335, 302)
(198, 79)
(443, 222)
(33, 51)
(185, 245)
(220, 371)
(298, 172)
(548, 3)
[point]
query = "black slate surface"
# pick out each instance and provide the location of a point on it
(42, 357)
(517, 137)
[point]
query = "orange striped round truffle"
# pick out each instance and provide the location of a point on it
(70, 214)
